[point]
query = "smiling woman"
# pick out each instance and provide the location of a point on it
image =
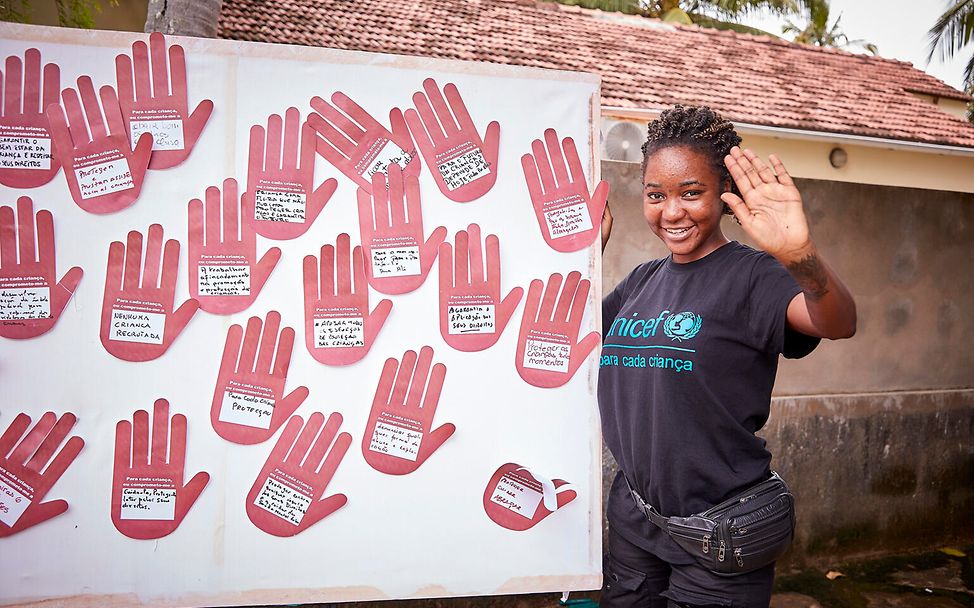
(682, 424)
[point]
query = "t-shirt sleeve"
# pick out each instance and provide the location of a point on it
(612, 303)
(771, 290)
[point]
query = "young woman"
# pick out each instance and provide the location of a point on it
(690, 351)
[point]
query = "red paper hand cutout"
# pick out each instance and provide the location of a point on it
(472, 314)
(338, 328)
(149, 499)
(27, 471)
(138, 322)
(547, 352)
(400, 435)
(282, 201)
(249, 403)
(25, 135)
(397, 259)
(104, 174)
(155, 101)
(568, 217)
(286, 499)
(224, 274)
(357, 144)
(31, 298)
(463, 166)
(517, 499)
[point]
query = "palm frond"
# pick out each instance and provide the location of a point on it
(707, 21)
(952, 31)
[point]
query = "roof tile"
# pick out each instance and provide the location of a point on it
(644, 63)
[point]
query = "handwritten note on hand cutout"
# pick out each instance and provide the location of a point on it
(569, 218)
(399, 436)
(249, 403)
(286, 498)
(464, 166)
(26, 152)
(149, 499)
(31, 297)
(548, 350)
(32, 460)
(517, 498)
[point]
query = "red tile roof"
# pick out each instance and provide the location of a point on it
(644, 63)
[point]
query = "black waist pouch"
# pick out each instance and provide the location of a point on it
(745, 532)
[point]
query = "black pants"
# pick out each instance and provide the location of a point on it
(634, 577)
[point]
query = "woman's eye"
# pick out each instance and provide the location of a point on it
(691, 194)
(654, 196)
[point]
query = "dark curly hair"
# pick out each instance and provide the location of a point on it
(701, 129)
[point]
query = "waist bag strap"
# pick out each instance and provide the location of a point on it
(647, 509)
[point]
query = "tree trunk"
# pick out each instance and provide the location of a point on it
(184, 17)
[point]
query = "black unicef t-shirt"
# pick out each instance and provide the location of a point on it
(689, 358)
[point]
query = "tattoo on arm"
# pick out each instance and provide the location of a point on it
(811, 276)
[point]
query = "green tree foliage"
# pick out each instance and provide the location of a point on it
(819, 32)
(718, 14)
(950, 35)
(70, 13)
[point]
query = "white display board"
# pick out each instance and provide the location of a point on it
(426, 533)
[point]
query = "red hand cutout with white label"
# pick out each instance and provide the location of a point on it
(356, 144)
(569, 218)
(286, 499)
(138, 321)
(282, 201)
(397, 259)
(149, 499)
(472, 314)
(31, 298)
(400, 435)
(338, 328)
(104, 173)
(463, 165)
(517, 499)
(547, 352)
(224, 274)
(156, 101)
(29, 468)
(249, 403)
(25, 134)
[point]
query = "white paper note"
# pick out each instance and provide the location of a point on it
(279, 497)
(25, 303)
(473, 319)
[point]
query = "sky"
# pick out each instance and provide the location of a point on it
(898, 27)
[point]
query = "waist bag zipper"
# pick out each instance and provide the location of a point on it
(740, 558)
(720, 552)
(706, 543)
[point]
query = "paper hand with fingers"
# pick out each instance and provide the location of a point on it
(517, 498)
(25, 134)
(400, 434)
(104, 173)
(249, 404)
(568, 216)
(286, 498)
(149, 499)
(224, 274)
(548, 354)
(463, 165)
(138, 318)
(282, 201)
(356, 144)
(397, 258)
(31, 297)
(472, 314)
(156, 100)
(338, 327)
(30, 464)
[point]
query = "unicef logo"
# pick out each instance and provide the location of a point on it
(682, 326)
